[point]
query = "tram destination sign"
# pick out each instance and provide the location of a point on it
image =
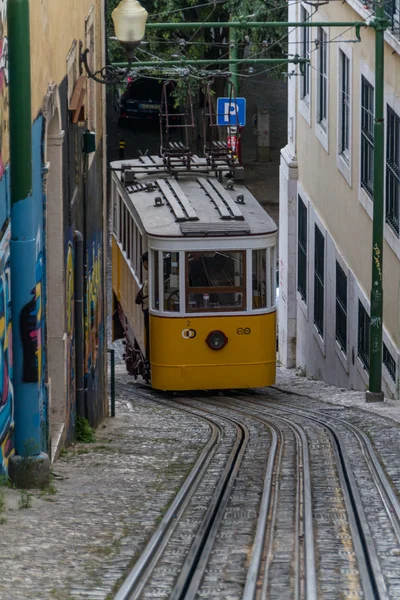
(231, 112)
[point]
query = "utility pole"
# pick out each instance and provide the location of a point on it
(29, 467)
(374, 393)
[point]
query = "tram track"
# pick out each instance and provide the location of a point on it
(353, 537)
(195, 562)
(369, 561)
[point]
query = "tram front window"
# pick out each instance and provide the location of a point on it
(215, 281)
(171, 281)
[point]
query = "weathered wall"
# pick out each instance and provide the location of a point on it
(44, 357)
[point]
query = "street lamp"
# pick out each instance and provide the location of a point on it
(129, 23)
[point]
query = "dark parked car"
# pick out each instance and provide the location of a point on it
(142, 100)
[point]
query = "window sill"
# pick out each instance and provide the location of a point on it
(320, 340)
(342, 357)
(322, 136)
(390, 237)
(303, 306)
(344, 167)
(304, 110)
(363, 372)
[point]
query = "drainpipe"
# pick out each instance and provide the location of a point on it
(79, 328)
(36, 471)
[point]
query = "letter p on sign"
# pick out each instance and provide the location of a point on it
(231, 112)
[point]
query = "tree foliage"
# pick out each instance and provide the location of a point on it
(206, 43)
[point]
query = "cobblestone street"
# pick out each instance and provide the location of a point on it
(78, 540)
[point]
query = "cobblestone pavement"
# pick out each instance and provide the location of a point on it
(78, 539)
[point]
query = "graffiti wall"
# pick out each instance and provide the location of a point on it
(6, 354)
(94, 334)
(70, 329)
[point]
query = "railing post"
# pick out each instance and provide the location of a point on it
(112, 379)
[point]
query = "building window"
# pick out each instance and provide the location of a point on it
(322, 78)
(392, 170)
(363, 336)
(389, 363)
(319, 280)
(344, 146)
(367, 137)
(341, 308)
(302, 250)
(305, 49)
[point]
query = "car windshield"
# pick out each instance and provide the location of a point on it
(147, 90)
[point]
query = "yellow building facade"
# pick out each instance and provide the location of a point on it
(326, 198)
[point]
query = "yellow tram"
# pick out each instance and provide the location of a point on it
(211, 277)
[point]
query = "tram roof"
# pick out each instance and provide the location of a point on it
(191, 203)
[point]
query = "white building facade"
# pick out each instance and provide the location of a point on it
(326, 199)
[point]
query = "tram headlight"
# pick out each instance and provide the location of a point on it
(216, 340)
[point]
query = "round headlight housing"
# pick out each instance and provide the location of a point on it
(216, 340)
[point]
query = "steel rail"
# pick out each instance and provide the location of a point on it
(388, 495)
(274, 461)
(370, 571)
(137, 577)
(195, 564)
(310, 564)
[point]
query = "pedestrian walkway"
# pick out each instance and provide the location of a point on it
(77, 539)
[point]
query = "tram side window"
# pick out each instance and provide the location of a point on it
(156, 295)
(171, 281)
(128, 236)
(216, 281)
(121, 217)
(115, 200)
(259, 279)
(271, 277)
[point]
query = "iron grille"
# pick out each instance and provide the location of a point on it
(322, 78)
(341, 308)
(319, 280)
(367, 136)
(345, 105)
(392, 170)
(305, 87)
(363, 336)
(302, 250)
(389, 363)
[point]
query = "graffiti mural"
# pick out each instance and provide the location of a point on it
(31, 327)
(93, 310)
(6, 357)
(70, 314)
(3, 87)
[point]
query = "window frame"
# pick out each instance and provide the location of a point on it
(386, 360)
(217, 289)
(363, 353)
(303, 293)
(319, 282)
(367, 135)
(340, 307)
(392, 171)
(305, 36)
(322, 88)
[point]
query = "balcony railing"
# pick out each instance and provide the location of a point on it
(392, 13)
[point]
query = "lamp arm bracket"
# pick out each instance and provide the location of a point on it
(108, 75)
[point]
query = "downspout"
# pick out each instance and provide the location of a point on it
(23, 254)
(79, 328)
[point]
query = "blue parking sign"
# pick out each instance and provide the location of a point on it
(231, 112)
